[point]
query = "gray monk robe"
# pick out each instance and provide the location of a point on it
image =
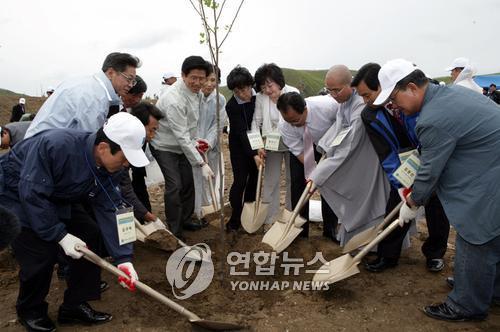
(350, 178)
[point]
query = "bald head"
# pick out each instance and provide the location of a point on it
(338, 83)
(340, 74)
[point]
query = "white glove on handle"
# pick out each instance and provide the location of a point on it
(406, 214)
(68, 243)
(206, 171)
(129, 270)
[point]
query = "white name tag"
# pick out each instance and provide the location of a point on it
(340, 137)
(273, 141)
(407, 171)
(125, 225)
(255, 140)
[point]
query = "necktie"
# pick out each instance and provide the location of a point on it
(309, 162)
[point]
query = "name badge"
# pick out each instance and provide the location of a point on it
(407, 171)
(125, 225)
(255, 140)
(340, 137)
(273, 141)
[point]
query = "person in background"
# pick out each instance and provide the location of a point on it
(84, 103)
(240, 110)
(168, 79)
(270, 85)
(207, 130)
(493, 94)
(18, 110)
(50, 91)
(461, 72)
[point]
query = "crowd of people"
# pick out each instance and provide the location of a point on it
(66, 177)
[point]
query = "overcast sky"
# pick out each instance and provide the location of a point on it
(43, 43)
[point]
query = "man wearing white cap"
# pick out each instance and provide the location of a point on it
(169, 78)
(459, 159)
(42, 176)
(461, 71)
(18, 110)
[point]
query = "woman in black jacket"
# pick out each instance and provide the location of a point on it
(240, 109)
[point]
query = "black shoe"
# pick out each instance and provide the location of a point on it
(192, 225)
(42, 324)
(445, 312)
(450, 281)
(82, 314)
(204, 222)
(331, 237)
(380, 264)
(435, 264)
(103, 286)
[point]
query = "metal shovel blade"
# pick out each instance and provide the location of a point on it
(338, 269)
(253, 216)
(369, 234)
(215, 326)
(278, 237)
(361, 239)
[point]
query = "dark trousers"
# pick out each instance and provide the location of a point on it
(139, 185)
(297, 187)
(179, 188)
(437, 225)
(244, 185)
(37, 258)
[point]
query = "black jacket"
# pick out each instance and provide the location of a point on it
(240, 122)
(17, 112)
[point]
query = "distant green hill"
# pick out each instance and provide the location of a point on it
(5, 92)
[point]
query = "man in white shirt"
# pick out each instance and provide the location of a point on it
(176, 147)
(306, 121)
(461, 72)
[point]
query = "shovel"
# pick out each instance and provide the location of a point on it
(345, 266)
(214, 207)
(369, 234)
(192, 317)
(288, 226)
(254, 214)
(144, 231)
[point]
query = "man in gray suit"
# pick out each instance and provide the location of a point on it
(460, 142)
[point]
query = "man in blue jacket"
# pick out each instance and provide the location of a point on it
(459, 133)
(42, 178)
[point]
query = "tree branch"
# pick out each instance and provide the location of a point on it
(231, 26)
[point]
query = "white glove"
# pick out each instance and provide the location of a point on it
(406, 214)
(206, 171)
(129, 270)
(68, 243)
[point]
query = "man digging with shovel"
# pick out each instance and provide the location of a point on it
(42, 177)
(460, 138)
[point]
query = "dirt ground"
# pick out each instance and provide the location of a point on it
(388, 301)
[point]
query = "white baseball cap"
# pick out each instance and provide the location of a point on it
(50, 89)
(390, 74)
(22, 101)
(458, 63)
(168, 75)
(129, 133)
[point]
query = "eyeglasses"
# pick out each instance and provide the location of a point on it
(335, 92)
(131, 80)
(391, 98)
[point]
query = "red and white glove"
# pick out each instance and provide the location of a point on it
(403, 193)
(129, 270)
(202, 145)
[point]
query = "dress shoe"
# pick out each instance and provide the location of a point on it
(41, 324)
(204, 222)
(380, 264)
(450, 281)
(444, 312)
(193, 225)
(435, 264)
(82, 313)
(103, 286)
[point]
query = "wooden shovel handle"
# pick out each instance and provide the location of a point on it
(211, 186)
(259, 185)
(92, 257)
(391, 215)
